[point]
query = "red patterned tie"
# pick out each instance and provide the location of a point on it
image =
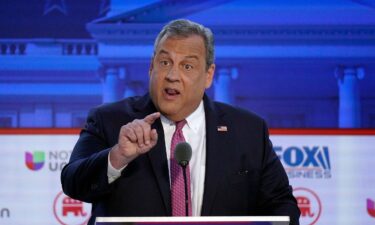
(177, 185)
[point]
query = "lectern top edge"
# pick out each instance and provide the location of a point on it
(195, 219)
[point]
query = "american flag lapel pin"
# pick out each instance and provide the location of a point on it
(222, 128)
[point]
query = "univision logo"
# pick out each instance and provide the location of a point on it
(35, 161)
(55, 160)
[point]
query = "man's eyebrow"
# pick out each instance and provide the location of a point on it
(164, 52)
(192, 57)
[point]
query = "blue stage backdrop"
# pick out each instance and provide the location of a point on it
(299, 64)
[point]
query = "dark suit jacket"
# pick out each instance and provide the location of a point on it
(243, 174)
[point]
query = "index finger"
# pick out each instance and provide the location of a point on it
(150, 119)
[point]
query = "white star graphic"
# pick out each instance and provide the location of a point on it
(52, 5)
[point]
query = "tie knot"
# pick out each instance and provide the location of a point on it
(180, 124)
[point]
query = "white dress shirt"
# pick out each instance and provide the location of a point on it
(195, 134)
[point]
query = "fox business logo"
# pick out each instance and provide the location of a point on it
(305, 162)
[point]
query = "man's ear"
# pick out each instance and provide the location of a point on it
(210, 75)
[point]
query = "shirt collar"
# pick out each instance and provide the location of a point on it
(196, 119)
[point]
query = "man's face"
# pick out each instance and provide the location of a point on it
(178, 75)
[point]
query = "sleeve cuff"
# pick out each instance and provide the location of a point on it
(112, 172)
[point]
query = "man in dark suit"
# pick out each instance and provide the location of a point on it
(121, 161)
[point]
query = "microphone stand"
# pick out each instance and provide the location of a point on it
(186, 190)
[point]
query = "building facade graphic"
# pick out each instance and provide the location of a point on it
(296, 64)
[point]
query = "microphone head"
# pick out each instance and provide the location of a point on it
(182, 153)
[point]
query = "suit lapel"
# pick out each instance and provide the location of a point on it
(157, 155)
(217, 153)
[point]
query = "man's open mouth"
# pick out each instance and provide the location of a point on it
(171, 91)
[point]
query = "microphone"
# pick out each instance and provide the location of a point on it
(182, 154)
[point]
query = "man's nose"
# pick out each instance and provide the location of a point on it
(173, 74)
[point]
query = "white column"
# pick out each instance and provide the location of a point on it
(128, 87)
(223, 84)
(111, 85)
(349, 96)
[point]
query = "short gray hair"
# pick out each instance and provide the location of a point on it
(186, 28)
